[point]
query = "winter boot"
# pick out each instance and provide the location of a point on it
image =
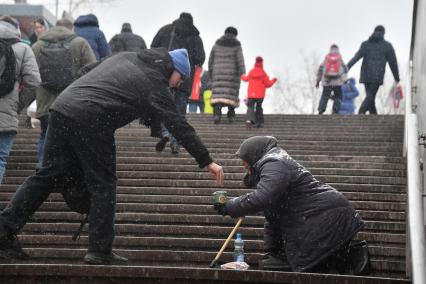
(274, 262)
(10, 248)
(159, 147)
(174, 146)
(96, 258)
(359, 259)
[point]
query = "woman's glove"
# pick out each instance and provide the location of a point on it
(220, 208)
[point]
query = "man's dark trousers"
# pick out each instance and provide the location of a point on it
(72, 147)
(369, 103)
(326, 95)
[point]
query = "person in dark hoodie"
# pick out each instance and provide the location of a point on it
(308, 224)
(127, 40)
(80, 142)
(87, 26)
(76, 54)
(226, 65)
(180, 34)
(258, 82)
(375, 52)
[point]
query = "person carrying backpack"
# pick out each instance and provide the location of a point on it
(17, 64)
(60, 54)
(181, 33)
(332, 74)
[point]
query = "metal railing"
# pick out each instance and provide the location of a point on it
(416, 256)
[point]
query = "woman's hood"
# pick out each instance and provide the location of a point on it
(254, 148)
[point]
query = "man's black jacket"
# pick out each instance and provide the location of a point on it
(182, 34)
(375, 53)
(126, 87)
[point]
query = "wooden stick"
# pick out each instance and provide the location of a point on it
(225, 244)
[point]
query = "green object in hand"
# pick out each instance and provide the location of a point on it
(219, 197)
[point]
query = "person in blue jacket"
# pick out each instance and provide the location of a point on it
(87, 26)
(349, 93)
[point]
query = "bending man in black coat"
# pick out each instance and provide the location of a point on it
(307, 222)
(80, 139)
(375, 51)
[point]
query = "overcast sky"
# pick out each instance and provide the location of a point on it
(278, 30)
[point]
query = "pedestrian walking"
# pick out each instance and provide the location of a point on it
(375, 53)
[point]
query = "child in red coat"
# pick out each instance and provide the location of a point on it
(258, 82)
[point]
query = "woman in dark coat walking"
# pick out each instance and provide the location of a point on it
(308, 222)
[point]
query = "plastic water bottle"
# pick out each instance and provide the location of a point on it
(239, 249)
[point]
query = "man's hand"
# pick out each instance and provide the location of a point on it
(217, 171)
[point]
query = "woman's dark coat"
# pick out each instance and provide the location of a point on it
(375, 51)
(315, 219)
(226, 65)
(125, 87)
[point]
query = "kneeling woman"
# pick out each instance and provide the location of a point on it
(309, 225)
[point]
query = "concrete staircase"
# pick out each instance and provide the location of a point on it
(167, 228)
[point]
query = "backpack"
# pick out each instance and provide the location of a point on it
(55, 64)
(332, 65)
(7, 66)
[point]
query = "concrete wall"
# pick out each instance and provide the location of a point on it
(418, 82)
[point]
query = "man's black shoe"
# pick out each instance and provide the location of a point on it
(273, 262)
(159, 147)
(95, 258)
(10, 248)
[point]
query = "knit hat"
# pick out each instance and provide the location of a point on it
(126, 27)
(187, 17)
(379, 28)
(231, 30)
(334, 48)
(181, 61)
(259, 61)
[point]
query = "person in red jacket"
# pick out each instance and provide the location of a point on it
(258, 82)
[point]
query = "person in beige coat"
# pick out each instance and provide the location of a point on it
(26, 75)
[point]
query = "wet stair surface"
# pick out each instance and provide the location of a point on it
(165, 223)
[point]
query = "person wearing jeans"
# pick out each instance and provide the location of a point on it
(6, 141)
(25, 75)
